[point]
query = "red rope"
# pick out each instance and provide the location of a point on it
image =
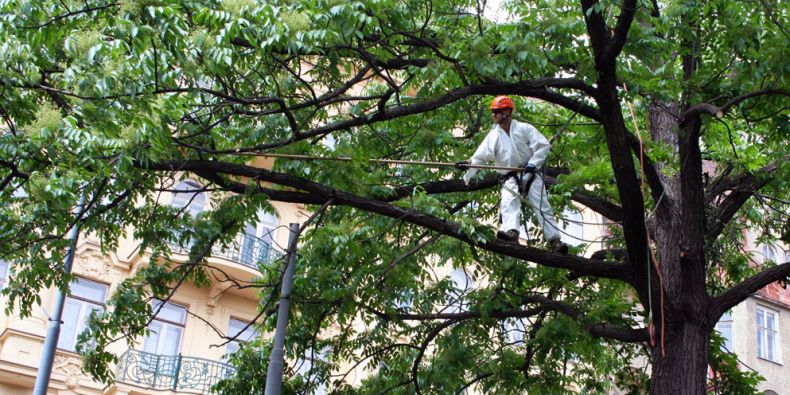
(649, 241)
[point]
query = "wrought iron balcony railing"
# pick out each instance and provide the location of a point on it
(171, 372)
(247, 250)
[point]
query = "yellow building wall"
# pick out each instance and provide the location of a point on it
(22, 339)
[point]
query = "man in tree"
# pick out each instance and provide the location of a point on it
(511, 143)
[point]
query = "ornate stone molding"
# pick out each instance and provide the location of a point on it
(71, 369)
(93, 263)
(215, 293)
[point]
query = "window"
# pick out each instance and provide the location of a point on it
(258, 238)
(3, 274)
(305, 368)
(461, 284)
(166, 329)
(766, 334)
(243, 333)
(724, 326)
(187, 194)
(163, 341)
(769, 253)
(188, 198)
(86, 296)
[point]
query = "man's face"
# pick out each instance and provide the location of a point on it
(500, 115)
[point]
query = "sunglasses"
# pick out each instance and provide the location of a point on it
(497, 112)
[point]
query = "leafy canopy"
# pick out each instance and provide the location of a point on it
(116, 102)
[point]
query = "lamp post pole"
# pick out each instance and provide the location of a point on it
(274, 374)
(53, 333)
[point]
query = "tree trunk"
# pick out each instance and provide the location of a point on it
(683, 369)
(682, 366)
(667, 224)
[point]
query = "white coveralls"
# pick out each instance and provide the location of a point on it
(524, 145)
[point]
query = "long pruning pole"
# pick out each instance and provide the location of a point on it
(390, 161)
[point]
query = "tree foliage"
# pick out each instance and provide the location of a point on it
(115, 102)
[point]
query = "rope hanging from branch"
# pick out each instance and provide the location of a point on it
(651, 255)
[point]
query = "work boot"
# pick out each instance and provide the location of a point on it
(556, 245)
(511, 235)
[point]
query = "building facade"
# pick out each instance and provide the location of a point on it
(758, 329)
(185, 350)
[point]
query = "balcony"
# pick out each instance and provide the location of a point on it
(171, 372)
(247, 250)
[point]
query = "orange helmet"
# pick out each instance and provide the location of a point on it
(502, 102)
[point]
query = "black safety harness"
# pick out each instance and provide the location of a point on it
(523, 188)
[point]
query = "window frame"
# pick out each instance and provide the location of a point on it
(764, 332)
(238, 343)
(258, 238)
(5, 268)
(192, 196)
(84, 304)
(769, 253)
(729, 342)
(182, 325)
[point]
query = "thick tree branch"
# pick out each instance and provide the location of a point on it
(596, 28)
(628, 184)
(609, 210)
(620, 31)
(316, 193)
(625, 173)
(543, 304)
(693, 226)
(707, 108)
(737, 294)
(538, 88)
(604, 207)
(740, 188)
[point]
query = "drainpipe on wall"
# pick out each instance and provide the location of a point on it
(274, 374)
(53, 333)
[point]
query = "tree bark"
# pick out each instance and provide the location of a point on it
(680, 352)
(667, 221)
(682, 368)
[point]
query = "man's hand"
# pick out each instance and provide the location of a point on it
(530, 168)
(462, 165)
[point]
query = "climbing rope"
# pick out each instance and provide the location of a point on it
(651, 254)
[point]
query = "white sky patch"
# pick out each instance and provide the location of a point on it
(495, 10)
